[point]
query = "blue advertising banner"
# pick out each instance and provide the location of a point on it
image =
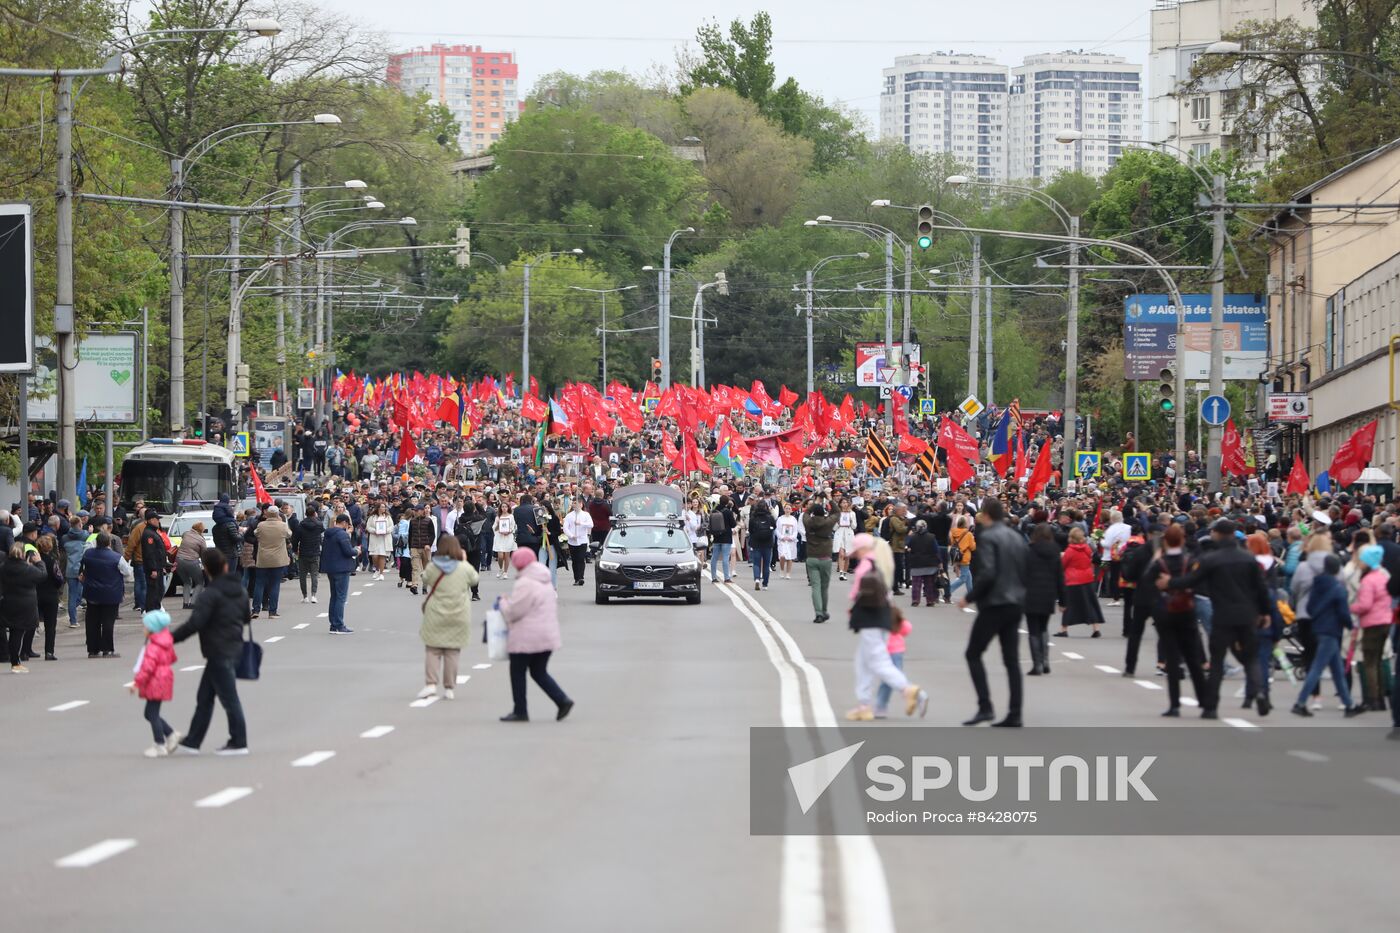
(1149, 336)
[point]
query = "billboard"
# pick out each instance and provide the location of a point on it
(870, 362)
(1149, 336)
(104, 381)
(16, 289)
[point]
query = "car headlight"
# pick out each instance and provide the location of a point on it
(609, 565)
(688, 565)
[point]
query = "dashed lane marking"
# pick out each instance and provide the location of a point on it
(357, 593)
(1315, 757)
(193, 667)
(313, 759)
(1385, 783)
(1239, 723)
(378, 732)
(463, 678)
(1072, 656)
(223, 798)
(480, 667)
(1148, 685)
(1107, 670)
(86, 858)
(426, 701)
(274, 639)
(323, 615)
(65, 707)
(301, 626)
(1188, 701)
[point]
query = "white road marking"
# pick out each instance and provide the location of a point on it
(301, 626)
(1239, 723)
(378, 732)
(463, 678)
(357, 593)
(1148, 685)
(1310, 756)
(273, 639)
(223, 798)
(1385, 783)
(367, 585)
(86, 858)
(323, 615)
(1188, 701)
(480, 667)
(1072, 656)
(313, 759)
(65, 707)
(426, 701)
(864, 889)
(193, 667)
(1106, 669)
(129, 683)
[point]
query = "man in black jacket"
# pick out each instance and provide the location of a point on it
(220, 612)
(527, 524)
(1240, 606)
(155, 560)
(999, 591)
(306, 539)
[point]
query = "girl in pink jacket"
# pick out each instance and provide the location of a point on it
(155, 680)
(532, 614)
(896, 649)
(1373, 615)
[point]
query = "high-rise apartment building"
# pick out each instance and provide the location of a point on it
(1002, 122)
(1200, 122)
(948, 103)
(1098, 95)
(479, 87)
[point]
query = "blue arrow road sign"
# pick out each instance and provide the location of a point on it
(1215, 410)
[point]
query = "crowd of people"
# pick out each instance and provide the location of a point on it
(1277, 589)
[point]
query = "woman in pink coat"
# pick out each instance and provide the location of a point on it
(1373, 616)
(155, 680)
(532, 615)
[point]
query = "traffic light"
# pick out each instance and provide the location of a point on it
(199, 427)
(463, 252)
(1166, 389)
(655, 370)
(925, 226)
(240, 390)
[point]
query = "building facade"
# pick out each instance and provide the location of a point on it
(1202, 122)
(948, 103)
(479, 87)
(1002, 122)
(1098, 95)
(1334, 282)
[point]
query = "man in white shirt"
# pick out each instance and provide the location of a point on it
(578, 526)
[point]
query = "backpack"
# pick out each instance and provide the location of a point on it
(1132, 561)
(717, 523)
(1177, 601)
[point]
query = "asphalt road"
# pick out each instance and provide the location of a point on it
(632, 814)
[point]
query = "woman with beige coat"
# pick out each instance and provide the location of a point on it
(447, 615)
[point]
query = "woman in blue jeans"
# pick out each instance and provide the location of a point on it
(721, 528)
(1331, 615)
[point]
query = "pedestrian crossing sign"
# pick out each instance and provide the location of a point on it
(1137, 467)
(1086, 464)
(928, 406)
(239, 444)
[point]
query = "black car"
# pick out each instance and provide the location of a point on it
(647, 558)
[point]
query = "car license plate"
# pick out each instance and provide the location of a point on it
(646, 586)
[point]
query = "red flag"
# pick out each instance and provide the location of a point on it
(1298, 481)
(668, 448)
(786, 397)
(959, 471)
(1353, 457)
(534, 408)
(510, 385)
(955, 440)
(259, 492)
(693, 458)
(1232, 451)
(899, 405)
(407, 449)
(534, 386)
(791, 453)
(1040, 476)
(760, 398)
(448, 410)
(630, 416)
(909, 444)
(844, 418)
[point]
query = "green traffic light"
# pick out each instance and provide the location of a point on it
(925, 242)
(1168, 405)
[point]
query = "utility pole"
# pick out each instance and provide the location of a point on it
(604, 386)
(277, 275)
(63, 317)
(890, 363)
(1071, 358)
(234, 350)
(700, 341)
(525, 334)
(1217, 325)
(991, 381)
(296, 263)
(811, 374)
(908, 287)
(975, 299)
(177, 299)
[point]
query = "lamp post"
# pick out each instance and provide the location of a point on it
(64, 318)
(666, 306)
(811, 274)
(697, 330)
(603, 294)
(1070, 223)
(1216, 187)
(525, 330)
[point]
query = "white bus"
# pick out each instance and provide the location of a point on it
(175, 475)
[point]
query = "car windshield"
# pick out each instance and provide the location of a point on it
(647, 505)
(166, 484)
(647, 538)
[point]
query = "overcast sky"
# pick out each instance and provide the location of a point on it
(834, 48)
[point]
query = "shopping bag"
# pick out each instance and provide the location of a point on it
(495, 635)
(249, 664)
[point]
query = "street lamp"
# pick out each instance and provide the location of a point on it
(603, 294)
(811, 274)
(697, 330)
(665, 302)
(525, 329)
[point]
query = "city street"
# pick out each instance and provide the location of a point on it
(359, 809)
